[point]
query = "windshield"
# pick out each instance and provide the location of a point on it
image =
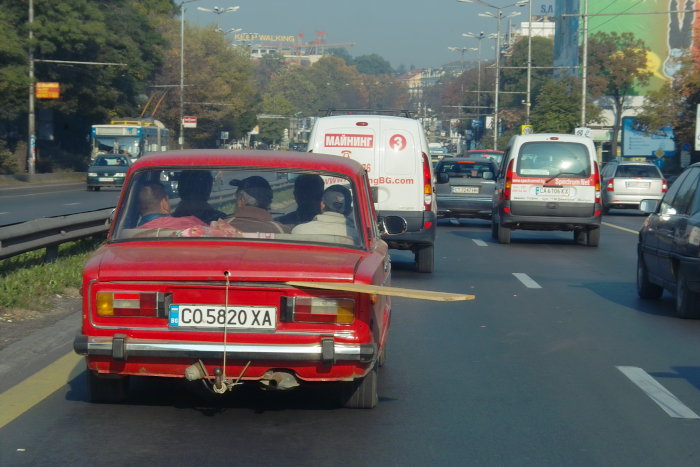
(637, 171)
(128, 145)
(230, 204)
(466, 169)
(554, 159)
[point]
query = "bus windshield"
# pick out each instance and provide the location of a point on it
(128, 145)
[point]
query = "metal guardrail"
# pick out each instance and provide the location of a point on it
(50, 232)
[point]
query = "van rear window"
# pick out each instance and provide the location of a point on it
(554, 159)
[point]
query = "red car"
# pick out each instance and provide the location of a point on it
(204, 276)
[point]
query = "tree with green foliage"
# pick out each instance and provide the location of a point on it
(372, 64)
(617, 64)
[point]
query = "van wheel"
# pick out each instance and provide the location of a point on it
(494, 228)
(425, 258)
(106, 388)
(361, 394)
(503, 234)
(593, 237)
(687, 301)
(645, 288)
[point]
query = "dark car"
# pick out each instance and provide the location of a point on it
(465, 187)
(494, 155)
(668, 252)
(107, 171)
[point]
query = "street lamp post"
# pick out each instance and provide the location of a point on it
(528, 102)
(478, 76)
(498, 16)
(218, 12)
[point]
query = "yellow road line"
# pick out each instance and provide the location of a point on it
(624, 229)
(25, 395)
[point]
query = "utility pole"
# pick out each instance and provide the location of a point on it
(31, 150)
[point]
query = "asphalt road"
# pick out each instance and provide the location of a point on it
(556, 362)
(28, 201)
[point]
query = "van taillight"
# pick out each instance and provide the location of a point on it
(427, 184)
(664, 186)
(508, 182)
(596, 174)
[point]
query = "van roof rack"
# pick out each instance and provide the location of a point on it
(395, 112)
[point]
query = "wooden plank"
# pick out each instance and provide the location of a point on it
(384, 290)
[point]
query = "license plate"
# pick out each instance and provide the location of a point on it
(550, 190)
(217, 316)
(637, 184)
(106, 179)
(465, 189)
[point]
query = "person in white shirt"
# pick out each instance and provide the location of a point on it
(335, 202)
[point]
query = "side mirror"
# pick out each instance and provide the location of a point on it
(442, 177)
(648, 206)
(488, 176)
(392, 225)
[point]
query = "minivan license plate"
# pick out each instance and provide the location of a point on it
(217, 316)
(550, 190)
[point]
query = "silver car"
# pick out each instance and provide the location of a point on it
(626, 184)
(465, 187)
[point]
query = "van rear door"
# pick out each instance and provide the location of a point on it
(398, 175)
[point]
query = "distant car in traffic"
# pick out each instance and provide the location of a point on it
(465, 187)
(626, 184)
(107, 171)
(494, 155)
(668, 251)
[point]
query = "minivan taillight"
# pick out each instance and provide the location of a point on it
(664, 185)
(505, 196)
(611, 185)
(596, 174)
(427, 184)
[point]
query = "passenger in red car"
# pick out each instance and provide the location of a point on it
(253, 200)
(155, 210)
(194, 188)
(336, 202)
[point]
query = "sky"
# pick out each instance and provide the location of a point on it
(405, 32)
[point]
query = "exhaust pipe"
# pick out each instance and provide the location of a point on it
(279, 380)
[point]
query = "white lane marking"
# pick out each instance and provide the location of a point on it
(480, 242)
(659, 394)
(4, 212)
(70, 204)
(526, 280)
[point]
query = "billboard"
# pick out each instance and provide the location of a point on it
(639, 141)
(668, 33)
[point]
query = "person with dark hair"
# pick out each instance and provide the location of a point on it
(155, 210)
(335, 203)
(253, 200)
(194, 188)
(308, 190)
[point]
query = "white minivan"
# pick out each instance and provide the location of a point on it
(394, 152)
(548, 182)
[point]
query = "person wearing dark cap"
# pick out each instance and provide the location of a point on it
(253, 200)
(308, 189)
(194, 188)
(335, 203)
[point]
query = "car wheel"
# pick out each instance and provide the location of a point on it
(503, 234)
(381, 361)
(578, 238)
(606, 209)
(425, 258)
(106, 388)
(593, 237)
(687, 301)
(494, 228)
(361, 394)
(646, 289)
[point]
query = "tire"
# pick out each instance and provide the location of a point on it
(578, 237)
(425, 259)
(593, 237)
(503, 234)
(381, 360)
(361, 394)
(687, 301)
(107, 388)
(494, 228)
(606, 210)
(646, 289)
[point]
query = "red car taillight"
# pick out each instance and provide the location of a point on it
(322, 310)
(130, 304)
(427, 184)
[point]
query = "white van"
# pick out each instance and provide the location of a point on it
(548, 182)
(394, 151)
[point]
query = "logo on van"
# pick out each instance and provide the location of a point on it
(397, 142)
(348, 141)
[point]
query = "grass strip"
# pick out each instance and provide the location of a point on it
(27, 282)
